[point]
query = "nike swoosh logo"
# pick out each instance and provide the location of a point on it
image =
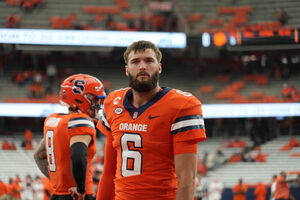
(152, 117)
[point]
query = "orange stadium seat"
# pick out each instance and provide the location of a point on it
(216, 22)
(101, 9)
(196, 17)
(128, 16)
(12, 2)
(207, 89)
(257, 94)
(295, 155)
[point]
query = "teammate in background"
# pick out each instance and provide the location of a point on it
(215, 189)
(66, 152)
(239, 190)
(282, 190)
(273, 187)
(260, 192)
(151, 134)
(3, 190)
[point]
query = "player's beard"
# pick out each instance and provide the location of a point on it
(143, 86)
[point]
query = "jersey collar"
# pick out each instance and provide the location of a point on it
(136, 112)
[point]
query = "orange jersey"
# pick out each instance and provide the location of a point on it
(144, 140)
(3, 188)
(260, 192)
(48, 189)
(282, 190)
(241, 189)
(58, 130)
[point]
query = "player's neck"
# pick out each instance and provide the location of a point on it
(141, 98)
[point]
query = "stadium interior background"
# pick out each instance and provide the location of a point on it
(250, 55)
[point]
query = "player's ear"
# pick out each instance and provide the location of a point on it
(159, 68)
(126, 70)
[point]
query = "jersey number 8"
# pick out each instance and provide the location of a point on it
(50, 151)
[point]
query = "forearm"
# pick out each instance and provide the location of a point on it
(185, 190)
(42, 165)
(79, 165)
(40, 158)
(106, 187)
(185, 167)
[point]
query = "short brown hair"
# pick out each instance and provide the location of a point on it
(142, 45)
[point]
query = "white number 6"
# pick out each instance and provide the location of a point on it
(131, 159)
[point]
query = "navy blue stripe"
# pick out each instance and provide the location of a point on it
(187, 128)
(61, 114)
(81, 125)
(104, 116)
(188, 117)
(131, 109)
(79, 118)
(106, 126)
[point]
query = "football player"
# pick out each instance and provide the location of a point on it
(65, 153)
(151, 134)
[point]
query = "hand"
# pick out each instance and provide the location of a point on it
(75, 195)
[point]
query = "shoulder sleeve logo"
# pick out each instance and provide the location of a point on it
(118, 110)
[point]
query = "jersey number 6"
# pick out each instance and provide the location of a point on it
(132, 159)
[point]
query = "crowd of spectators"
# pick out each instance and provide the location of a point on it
(6, 145)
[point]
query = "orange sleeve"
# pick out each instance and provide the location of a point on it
(106, 185)
(185, 147)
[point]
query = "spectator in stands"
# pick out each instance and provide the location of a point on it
(239, 190)
(199, 187)
(19, 79)
(37, 188)
(215, 189)
(28, 145)
(27, 192)
(259, 156)
(273, 187)
(286, 91)
(201, 167)
(99, 22)
(11, 22)
(5, 145)
(219, 159)
(13, 190)
(245, 155)
(282, 190)
(293, 142)
(13, 146)
(142, 22)
(283, 17)
(110, 23)
(36, 90)
(260, 192)
(294, 91)
(17, 190)
(26, 5)
(3, 190)
(51, 73)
